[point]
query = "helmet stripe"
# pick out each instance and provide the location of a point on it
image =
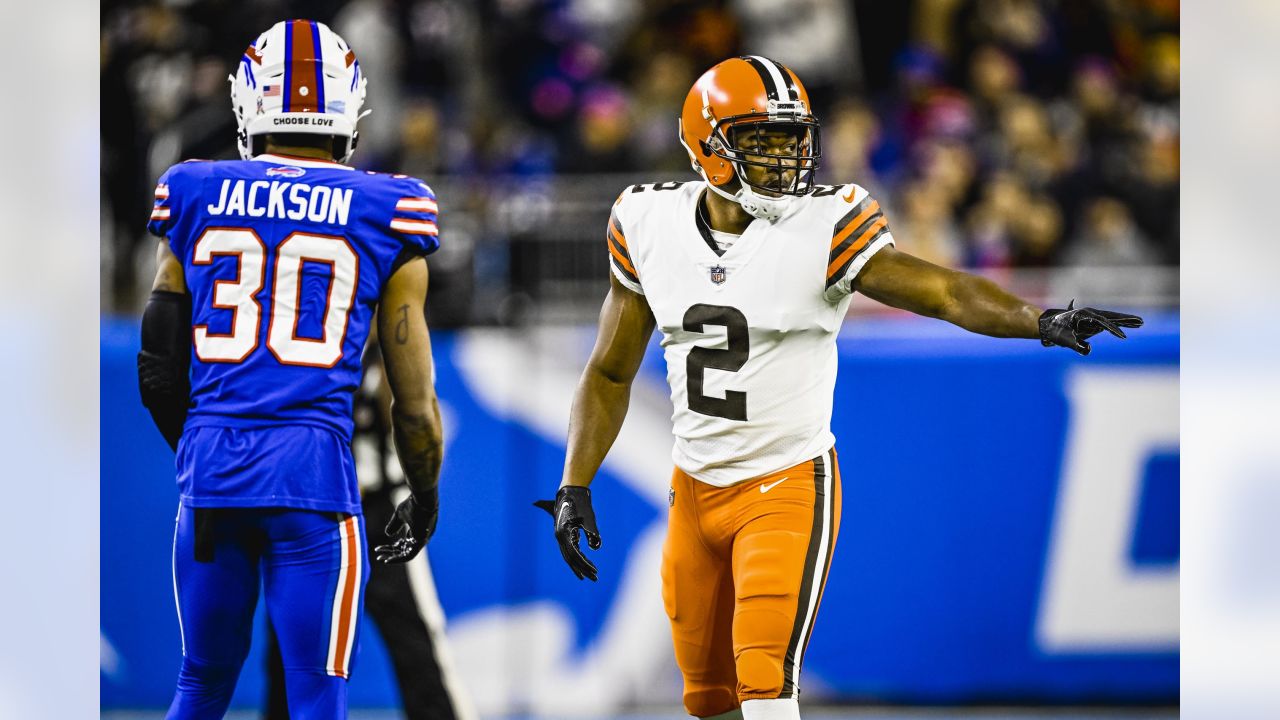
(779, 73)
(793, 83)
(768, 75)
(301, 68)
(288, 71)
(772, 73)
(315, 41)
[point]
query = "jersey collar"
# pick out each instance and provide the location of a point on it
(278, 159)
(703, 228)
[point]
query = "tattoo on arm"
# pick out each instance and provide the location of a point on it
(402, 326)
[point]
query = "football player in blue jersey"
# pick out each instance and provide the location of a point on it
(269, 275)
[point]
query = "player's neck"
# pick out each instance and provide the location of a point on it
(310, 153)
(724, 215)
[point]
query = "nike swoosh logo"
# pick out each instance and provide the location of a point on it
(849, 198)
(770, 486)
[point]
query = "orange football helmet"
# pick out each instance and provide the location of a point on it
(745, 96)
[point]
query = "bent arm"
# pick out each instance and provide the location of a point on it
(406, 354)
(971, 302)
(600, 403)
(165, 358)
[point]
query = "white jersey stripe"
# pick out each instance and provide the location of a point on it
(417, 205)
(416, 227)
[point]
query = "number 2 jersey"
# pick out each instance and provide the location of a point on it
(748, 335)
(285, 260)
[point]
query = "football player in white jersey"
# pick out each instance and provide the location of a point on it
(748, 273)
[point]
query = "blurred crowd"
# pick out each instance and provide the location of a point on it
(997, 133)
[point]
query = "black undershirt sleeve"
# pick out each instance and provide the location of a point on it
(164, 362)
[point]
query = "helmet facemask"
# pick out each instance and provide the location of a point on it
(772, 157)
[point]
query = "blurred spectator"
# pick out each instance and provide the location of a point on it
(1038, 233)
(849, 138)
(949, 166)
(812, 37)
(926, 226)
(660, 85)
(370, 29)
(1109, 238)
(991, 223)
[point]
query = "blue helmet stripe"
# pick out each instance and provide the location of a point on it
(287, 92)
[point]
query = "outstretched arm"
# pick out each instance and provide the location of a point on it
(979, 305)
(974, 303)
(415, 412)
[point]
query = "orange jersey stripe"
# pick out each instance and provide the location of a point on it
(616, 232)
(870, 210)
(856, 247)
(623, 260)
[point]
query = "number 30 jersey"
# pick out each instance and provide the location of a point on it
(748, 335)
(285, 259)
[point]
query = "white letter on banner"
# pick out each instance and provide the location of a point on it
(1094, 598)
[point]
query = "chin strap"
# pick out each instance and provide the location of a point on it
(757, 206)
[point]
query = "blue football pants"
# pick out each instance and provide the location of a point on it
(312, 567)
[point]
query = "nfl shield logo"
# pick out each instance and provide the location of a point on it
(718, 274)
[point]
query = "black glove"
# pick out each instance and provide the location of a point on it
(572, 511)
(410, 528)
(1074, 326)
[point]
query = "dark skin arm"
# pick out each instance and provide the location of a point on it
(971, 302)
(406, 355)
(169, 274)
(600, 403)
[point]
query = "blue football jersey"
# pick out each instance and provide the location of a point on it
(285, 259)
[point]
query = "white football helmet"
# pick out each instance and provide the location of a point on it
(298, 77)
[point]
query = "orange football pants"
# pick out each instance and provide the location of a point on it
(743, 570)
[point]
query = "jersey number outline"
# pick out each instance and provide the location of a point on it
(733, 406)
(240, 296)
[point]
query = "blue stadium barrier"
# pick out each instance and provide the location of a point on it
(1009, 532)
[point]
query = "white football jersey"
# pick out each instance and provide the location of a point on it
(749, 336)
